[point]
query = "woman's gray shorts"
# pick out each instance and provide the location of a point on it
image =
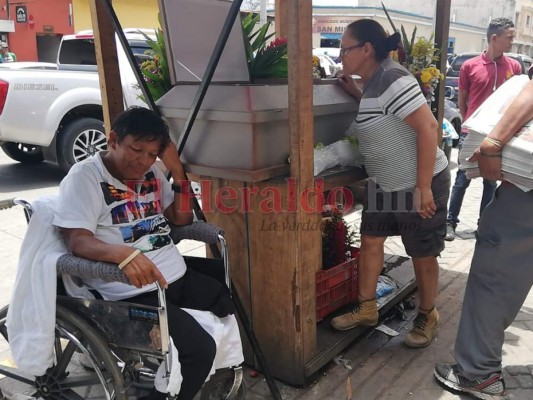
(393, 214)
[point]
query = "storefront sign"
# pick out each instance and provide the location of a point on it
(331, 24)
(21, 13)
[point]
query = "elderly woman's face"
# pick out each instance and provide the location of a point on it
(352, 53)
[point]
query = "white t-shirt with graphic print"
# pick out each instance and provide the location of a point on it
(132, 215)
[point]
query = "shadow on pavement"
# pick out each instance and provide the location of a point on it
(17, 177)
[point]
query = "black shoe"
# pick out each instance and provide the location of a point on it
(154, 395)
(450, 232)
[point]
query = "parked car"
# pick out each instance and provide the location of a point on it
(330, 66)
(452, 114)
(452, 73)
(333, 52)
(28, 65)
(55, 114)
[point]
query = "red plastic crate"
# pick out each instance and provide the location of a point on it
(336, 287)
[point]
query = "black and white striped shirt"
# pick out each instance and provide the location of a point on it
(387, 143)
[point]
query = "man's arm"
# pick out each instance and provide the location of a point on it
(462, 102)
(463, 88)
(180, 211)
(140, 270)
(489, 154)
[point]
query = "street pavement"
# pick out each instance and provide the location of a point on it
(374, 367)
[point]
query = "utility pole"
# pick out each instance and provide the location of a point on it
(263, 12)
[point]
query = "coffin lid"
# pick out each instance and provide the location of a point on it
(192, 28)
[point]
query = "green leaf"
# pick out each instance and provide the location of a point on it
(413, 38)
(156, 71)
(388, 17)
(405, 42)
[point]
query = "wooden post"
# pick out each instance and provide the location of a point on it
(106, 57)
(281, 20)
(308, 243)
(276, 269)
(442, 27)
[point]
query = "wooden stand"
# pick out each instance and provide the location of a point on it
(275, 251)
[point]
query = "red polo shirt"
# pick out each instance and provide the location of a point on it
(480, 77)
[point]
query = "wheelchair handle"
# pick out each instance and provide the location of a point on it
(15, 201)
(7, 203)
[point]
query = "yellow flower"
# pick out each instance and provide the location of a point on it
(425, 76)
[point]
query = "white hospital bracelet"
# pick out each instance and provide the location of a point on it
(129, 258)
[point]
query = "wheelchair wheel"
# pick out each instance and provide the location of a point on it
(219, 386)
(77, 344)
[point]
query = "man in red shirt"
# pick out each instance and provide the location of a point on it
(479, 78)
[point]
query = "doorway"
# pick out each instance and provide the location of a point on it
(47, 47)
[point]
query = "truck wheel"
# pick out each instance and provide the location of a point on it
(80, 139)
(24, 153)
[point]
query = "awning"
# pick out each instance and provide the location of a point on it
(330, 35)
(7, 25)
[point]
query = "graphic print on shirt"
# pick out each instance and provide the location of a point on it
(138, 213)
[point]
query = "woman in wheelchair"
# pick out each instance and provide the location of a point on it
(114, 208)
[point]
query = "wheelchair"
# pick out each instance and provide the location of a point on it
(110, 349)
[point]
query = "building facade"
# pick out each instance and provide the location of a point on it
(34, 29)
(524, 27)
(131, 14)
(475, 13)
(330, 21)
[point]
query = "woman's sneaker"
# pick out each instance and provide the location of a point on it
(490, 388)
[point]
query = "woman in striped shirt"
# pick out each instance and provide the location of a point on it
(408, 189)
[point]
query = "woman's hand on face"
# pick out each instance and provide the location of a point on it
(424, 203)
(347, 83)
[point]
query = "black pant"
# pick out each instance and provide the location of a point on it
(196, 348)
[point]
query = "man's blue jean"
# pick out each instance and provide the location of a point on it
(458, 194)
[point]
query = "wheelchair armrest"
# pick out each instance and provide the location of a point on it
(84, 268)
(198, 230)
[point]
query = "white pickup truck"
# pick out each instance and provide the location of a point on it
(56, 114)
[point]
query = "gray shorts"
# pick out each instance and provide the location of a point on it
(392, 214)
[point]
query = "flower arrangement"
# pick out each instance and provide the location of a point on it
(155, 70)
(419, 57)
(318, 71)
(269, 59)
(265, 60)
(337, 237)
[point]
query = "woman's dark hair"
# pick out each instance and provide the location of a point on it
(142, 124)
(368, 30)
